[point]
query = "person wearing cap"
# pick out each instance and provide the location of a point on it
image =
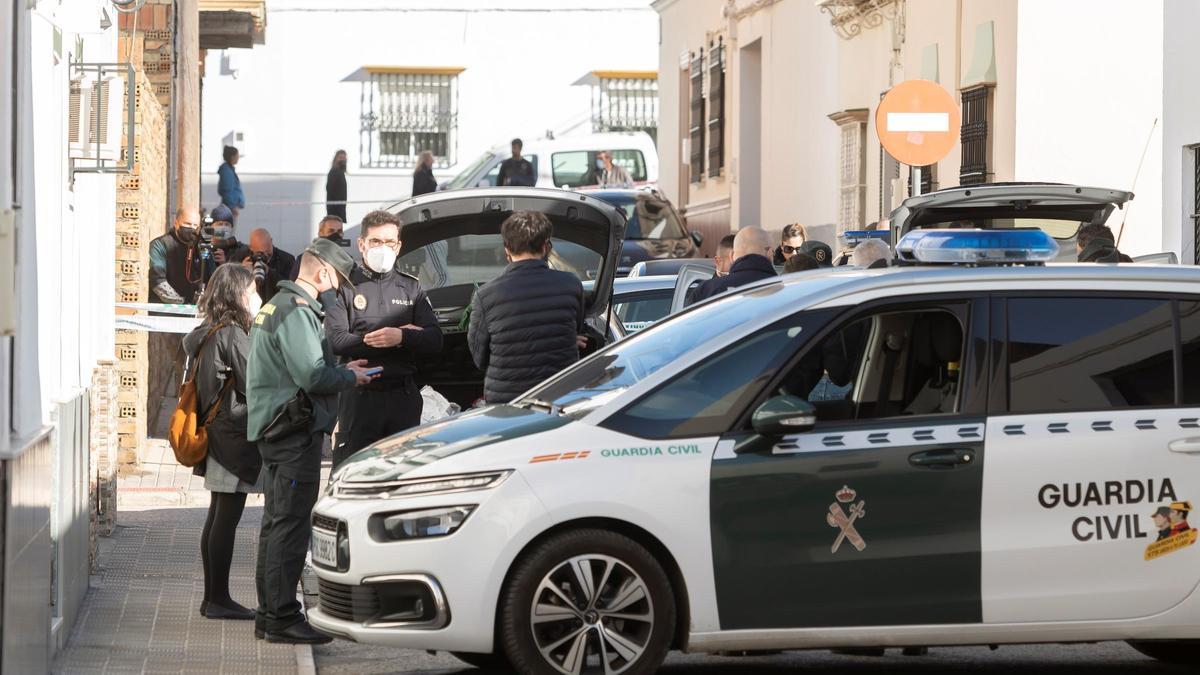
(1178, 517)
(819, 251)
(292, 383)
(388, 320)
(516, 170)
(1162, 522)
(226, 247)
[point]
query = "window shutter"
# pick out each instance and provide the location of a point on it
(716, 108)
(974, 136)
(696, 126)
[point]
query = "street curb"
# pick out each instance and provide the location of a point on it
(305, 663)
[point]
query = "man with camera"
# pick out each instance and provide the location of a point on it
(269, 264)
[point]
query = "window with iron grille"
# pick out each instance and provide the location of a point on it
(716, 109)
(852, 174)
(406, 112)
(928, 179)
(976, 112)
(626, 103)
(696, 123)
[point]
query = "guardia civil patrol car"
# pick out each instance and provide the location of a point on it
(916, 456)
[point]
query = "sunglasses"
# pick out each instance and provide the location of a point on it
(791, 249)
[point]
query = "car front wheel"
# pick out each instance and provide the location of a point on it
(587, 601)
(1179, 652)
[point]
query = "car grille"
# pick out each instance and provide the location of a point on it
(325, 522)
(348, 603)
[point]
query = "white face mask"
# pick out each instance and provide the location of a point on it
(380, 259)
(253, 304)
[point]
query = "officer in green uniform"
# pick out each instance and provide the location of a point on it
(292, 383)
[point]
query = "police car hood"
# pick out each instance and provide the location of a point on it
(417, 448)
(584, 221)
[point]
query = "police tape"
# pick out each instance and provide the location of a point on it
(161, 308)
(157, 324)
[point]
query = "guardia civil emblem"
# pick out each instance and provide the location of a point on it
(360, 302)
(844, 520)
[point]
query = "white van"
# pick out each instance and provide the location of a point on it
(567, 162)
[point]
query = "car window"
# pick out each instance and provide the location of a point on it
(884, 365)
(705, 400)
(1189, 332)
(1089, 354)
(474, 259)
(649, 217)
(464, 176)
(494, 175)
(632, 161)
(576, 168)
(642, 310)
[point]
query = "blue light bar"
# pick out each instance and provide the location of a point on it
(852, 238)
(978, 247)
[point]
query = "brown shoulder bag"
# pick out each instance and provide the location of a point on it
(188, 437)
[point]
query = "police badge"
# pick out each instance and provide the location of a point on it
(360, 302)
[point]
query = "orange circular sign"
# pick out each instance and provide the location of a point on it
(917, 122)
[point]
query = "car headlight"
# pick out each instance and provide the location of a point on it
(417, 524)
(418, 486)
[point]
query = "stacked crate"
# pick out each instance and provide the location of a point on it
(141, 216)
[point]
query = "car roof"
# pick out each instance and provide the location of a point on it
(624, 285)
(596, 141)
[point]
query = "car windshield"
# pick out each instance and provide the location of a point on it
(649, 218)
(475, 259)
(597, 380)
(464, 177)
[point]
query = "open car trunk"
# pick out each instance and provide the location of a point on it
(451, 242)
(1057, 209)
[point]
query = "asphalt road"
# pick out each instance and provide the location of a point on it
(346, 658)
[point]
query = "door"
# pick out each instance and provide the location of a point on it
(1092, 461)
(689, 276)
(872, 517)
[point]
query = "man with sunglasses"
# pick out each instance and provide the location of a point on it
(388, 320)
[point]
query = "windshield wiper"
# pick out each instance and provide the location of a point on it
(552, 408)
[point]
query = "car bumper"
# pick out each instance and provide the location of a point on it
(457, 578)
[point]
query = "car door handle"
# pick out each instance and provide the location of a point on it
(1189, 446)
(942, 459)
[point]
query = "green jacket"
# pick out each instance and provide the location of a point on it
(289, 352)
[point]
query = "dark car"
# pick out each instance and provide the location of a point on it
(655, 230)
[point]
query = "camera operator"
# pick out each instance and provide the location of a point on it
(269, 264)
(219, 235)
(174, 263)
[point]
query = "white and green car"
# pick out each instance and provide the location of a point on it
(913, 456)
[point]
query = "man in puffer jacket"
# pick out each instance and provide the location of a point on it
(1096, 244)
(525, 324)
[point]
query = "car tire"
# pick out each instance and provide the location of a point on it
(586, 595)
(492, 663)
(1178, 652)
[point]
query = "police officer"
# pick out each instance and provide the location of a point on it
(291, 385)
(387, 320)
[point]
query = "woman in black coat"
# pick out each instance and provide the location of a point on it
(218, 348)
(335, 187)
(423, 180)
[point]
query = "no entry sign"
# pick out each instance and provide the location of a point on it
(917, 122)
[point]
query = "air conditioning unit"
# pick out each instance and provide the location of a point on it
(96, 112)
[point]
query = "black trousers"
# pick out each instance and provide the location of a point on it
(283, 542)
(368, 415)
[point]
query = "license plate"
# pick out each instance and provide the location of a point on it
(324, 548)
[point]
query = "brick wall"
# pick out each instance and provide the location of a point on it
(153, 51)
(141, 216)
(102, 444)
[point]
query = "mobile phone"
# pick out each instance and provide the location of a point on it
(371, 372)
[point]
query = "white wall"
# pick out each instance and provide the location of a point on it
(290, 102)
(1089, 87)
(1180, 124)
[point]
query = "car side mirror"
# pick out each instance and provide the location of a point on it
(783, 415)
(697, 238)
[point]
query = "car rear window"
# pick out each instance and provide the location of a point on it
(577, 168)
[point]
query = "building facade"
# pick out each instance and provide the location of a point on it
(384, 80)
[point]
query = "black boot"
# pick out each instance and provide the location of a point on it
(234, 613)
(299, 634)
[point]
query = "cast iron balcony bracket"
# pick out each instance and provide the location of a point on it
(850, 17)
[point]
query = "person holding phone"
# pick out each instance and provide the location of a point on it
(387, 320)
(292, 383)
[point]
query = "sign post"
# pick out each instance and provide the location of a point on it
(917, 123)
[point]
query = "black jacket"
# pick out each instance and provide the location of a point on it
(423, 181)
(224, 357)
(1101, 250)
(523, 327)
(335, 191)
(171, 280)
(516, 172)
(745, 270)
(379, 301)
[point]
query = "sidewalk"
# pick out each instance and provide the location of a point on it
(141, 614)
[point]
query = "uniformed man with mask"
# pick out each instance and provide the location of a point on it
(292, 382)
(387, 320)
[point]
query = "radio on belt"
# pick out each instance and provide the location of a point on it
(1017, 246)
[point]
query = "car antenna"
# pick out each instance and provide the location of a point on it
(1121, 230)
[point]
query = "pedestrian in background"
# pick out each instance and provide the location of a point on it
(791, 239)
(174, 264)
(292, 383)
(229, 186)
(516, 170)
(871, 254)
(218, 347)
(751, 262)
(335, 186)
(612, 175)
(423, 180)
(724, 256)
(1097, 244)
(329, 227)
(527, 323)
(387, 319)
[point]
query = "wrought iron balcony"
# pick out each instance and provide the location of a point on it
(851, 17)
